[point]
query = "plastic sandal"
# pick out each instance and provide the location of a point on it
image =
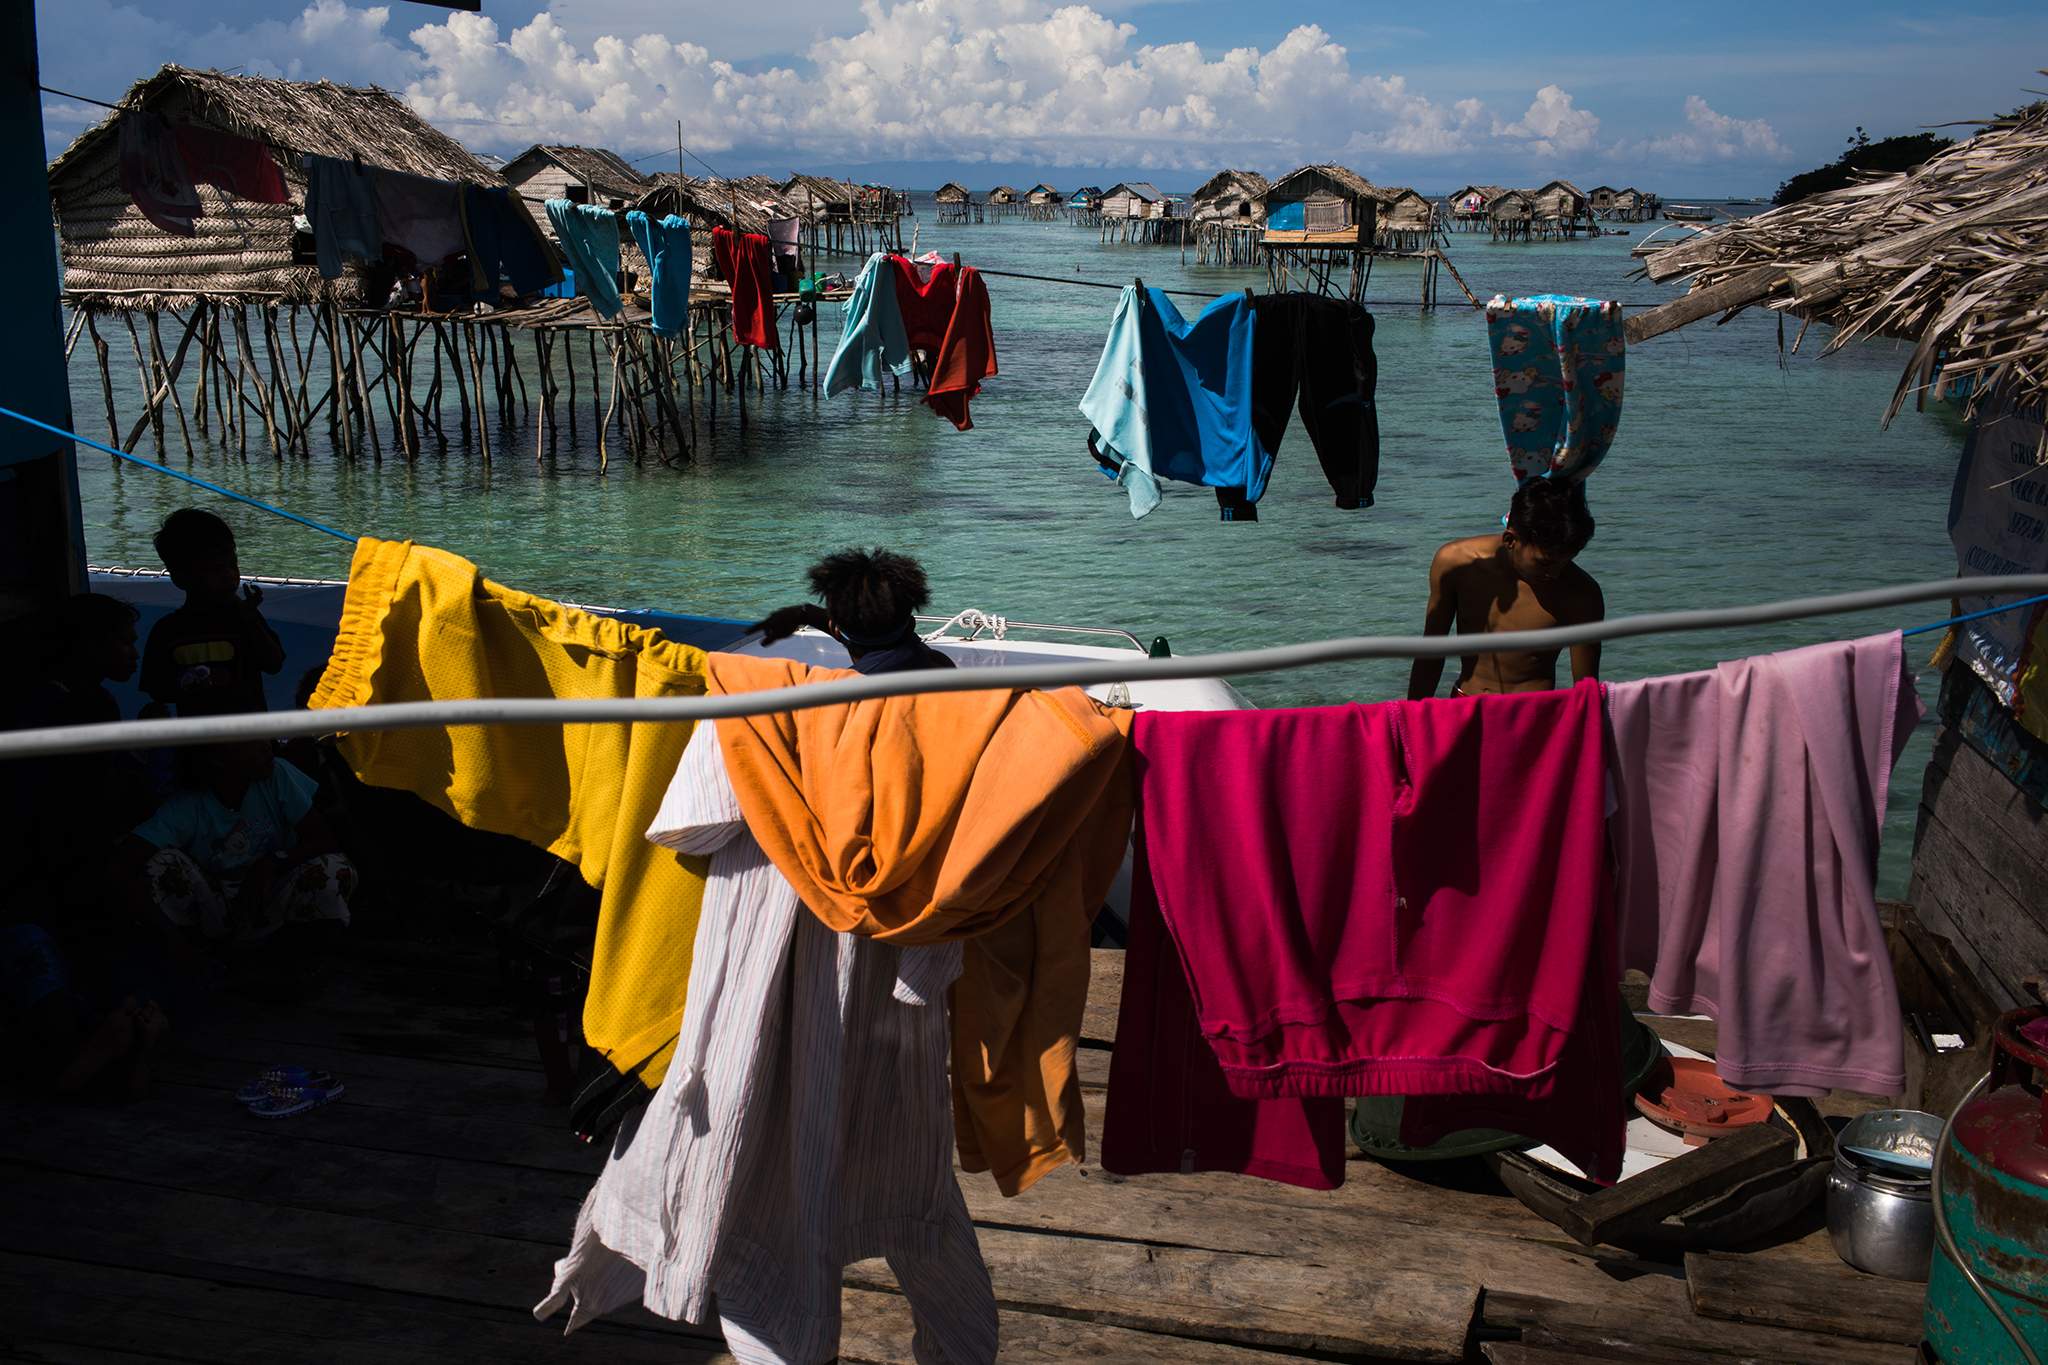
(288, 1100)
(270, 1078)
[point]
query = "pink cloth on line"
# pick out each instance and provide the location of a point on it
(1750, 804)
(1403, 899)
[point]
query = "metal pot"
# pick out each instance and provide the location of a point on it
(1880, 1215)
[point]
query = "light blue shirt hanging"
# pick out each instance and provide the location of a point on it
(589, 235)
(872, 341)
(666, 245)
(1557, 370)
(1172, 399)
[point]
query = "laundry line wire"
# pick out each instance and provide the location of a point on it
(193, 479)
(144, 734)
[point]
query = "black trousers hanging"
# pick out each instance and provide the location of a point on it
(1317, 351)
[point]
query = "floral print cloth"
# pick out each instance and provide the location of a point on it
(318, 888)
(1557, 366)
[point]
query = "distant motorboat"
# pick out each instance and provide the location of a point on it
(1688, 213)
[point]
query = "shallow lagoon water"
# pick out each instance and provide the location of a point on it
(1738, 476)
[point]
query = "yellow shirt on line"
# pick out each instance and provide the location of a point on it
(421, 624)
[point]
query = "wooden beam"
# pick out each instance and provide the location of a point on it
(1678, 1183)
(1808, 1296)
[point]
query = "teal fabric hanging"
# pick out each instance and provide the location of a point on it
(590, 239)
(873, 342)
(1557, 369)
(666, 245)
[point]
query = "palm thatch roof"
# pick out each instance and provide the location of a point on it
(111, 251)
(1484, 195)
(1511, 204)
(1559, 199)
(704, 203)
(952, 192)
(1232, 185)
(1951, 256)
(605, 172)
(1304, 179)
(1003, 194)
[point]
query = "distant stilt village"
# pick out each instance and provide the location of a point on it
(235, 333)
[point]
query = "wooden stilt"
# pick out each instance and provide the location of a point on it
(99, 348)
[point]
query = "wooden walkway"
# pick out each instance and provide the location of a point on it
(417, 1219)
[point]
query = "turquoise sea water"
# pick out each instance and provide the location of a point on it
(1735, 478)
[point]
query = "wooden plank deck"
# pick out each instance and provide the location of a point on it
(417, 1219)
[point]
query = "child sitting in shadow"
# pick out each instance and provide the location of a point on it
(210, 655)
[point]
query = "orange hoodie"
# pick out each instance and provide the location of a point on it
(995, 818)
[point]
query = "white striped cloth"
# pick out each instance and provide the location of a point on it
(804, 1124)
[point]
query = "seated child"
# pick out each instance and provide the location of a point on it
(240, 853)
(208, 656)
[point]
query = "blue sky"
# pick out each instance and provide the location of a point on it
(1686, 99)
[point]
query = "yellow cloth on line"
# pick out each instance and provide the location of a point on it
(994, 818)
(421, 624)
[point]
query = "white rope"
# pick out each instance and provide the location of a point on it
(424, 715)
(973, 620)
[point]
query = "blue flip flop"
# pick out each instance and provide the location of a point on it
(272, 1078)
(287, 1100)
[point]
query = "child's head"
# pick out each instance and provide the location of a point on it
(199, 550)
(229, 768)
(90, 637)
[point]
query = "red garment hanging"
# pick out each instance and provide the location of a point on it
(967, 353)
(240, 165)
(748, 264)
(926, 305)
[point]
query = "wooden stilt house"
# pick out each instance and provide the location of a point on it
(956, 204)
(1228, 213)
(1469, 207)
(1319, 219)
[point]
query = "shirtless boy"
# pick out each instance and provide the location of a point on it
(1521, 579)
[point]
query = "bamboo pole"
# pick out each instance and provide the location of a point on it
(99, 347)
(151, 412)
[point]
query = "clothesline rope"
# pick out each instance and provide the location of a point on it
(144, 734)
(1212, 294)
(192, 479)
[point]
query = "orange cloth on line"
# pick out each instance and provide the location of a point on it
(995, 818)
(966, 356)
(421, 624)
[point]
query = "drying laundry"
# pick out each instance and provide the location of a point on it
(240, 165)
(759, 1170)
(746, 264)
(1362, 907)
(997, 819)
(1172, 399)
(666, 245)
(926, 296)
(1750, 802)
(153, 173)
(783, 234)
(420, 624)
(967, 353)
(420, 215)
(589, 236)
(341, 204)
(872, 342)
(1316, 351)
(1557, 370)
(505, 244)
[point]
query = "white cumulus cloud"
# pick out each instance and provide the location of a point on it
(1553, 124)
(1712, 136)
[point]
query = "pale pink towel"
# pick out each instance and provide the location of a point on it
(1749, 806)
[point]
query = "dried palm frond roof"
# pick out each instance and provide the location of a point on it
(293, 118)
(705, 203)
(1952, 256)
(1246, 184)
(1346, 179)
(598, 167)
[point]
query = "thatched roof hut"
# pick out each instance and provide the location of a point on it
(952, 192)
(1232, 197)
(1952, 256)
(1087, 197)
(1042, 193)
(815, 197)
(1560, 201)
(1003, 194)
(1511, 206)
(702, 202)
(1404, 210)
(110, 249)
(1133, 199)
(1322, 201)
(1473, 200)
(582, 175)
(1602, 197)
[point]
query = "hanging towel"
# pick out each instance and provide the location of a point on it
(1750, 800)
(745, 263)
(872, 342)
(420, 624)
(666, 245)
(590, 243)
(1196, 378)
(995, 818)
(505, 244)
(1362, 906)
(1557, 370)
(966, 355)
(240, 165)
(1315, 352)
(759, 1170)
(926, 301)
(420, 214)
(153, 173)
(342, 208)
